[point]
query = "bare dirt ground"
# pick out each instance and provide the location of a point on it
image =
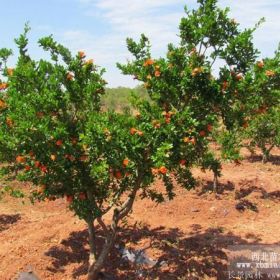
(189, 233)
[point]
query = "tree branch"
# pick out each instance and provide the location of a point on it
(102, 224)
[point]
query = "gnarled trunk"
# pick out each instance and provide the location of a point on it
(119, 213)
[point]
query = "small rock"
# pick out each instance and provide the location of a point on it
(27, 276)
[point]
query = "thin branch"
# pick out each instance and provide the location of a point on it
(200, 46)
(206, 48)
(269, 150)
(102, 224)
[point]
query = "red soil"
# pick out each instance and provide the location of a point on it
(191, 232)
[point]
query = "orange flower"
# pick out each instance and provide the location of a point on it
(183, 162)
(167, 120)
(133, 131)
(140, 133)
(239, 76)
(81, 54)
(202, 133)
(156, 124)
(196, 71)
(82, 196)
(70, 76)
(70, 157)
(269, 73)
(3, 86)
(163, 170)
(2, 104)
(118, 174)
(27, 168)
(209, 127)
(37, 164)
(191, 140)
(59, 142)
(40, 114)
(157, 73)
(69, 198)
(44, 168)
(83, 158)
(53, 157)
(89, 62)
(10, 71)
(225, 85)
(260, 64)
(148, 62)
(20, 159)
(262, 110)
(31, 153)
(193, 51)
(125, 162)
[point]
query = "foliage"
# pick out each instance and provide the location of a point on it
(256, 122)
(183, 83)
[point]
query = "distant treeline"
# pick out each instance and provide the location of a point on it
(119, 98)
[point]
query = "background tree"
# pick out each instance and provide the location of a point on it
(259, 105)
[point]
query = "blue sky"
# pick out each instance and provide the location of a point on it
(100, 27)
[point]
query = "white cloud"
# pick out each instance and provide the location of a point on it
(159, 20)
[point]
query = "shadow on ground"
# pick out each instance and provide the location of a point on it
(247, 190)
(273, 159)
(7, 220)
(199, 256)
(207, 187)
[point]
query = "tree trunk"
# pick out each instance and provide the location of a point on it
(92, 242)
(265, 155)
(95, 268)
(119, 214)
(215, 183)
